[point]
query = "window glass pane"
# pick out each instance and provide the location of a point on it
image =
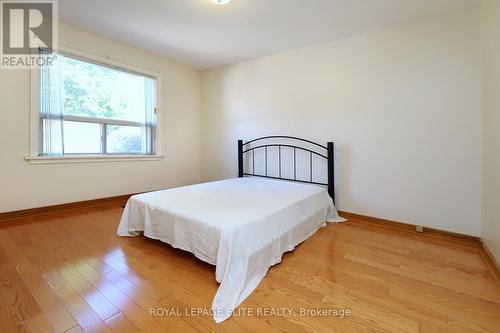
(82, 138)
(124, 139)
(92, 90)
(122, 102)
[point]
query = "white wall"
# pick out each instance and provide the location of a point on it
(26, 186)
(490, 228)
(402, 105)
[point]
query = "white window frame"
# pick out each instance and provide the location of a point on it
(35, 135)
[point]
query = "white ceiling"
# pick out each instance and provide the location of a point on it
(203, 35)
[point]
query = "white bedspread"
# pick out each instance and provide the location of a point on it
(243, 226)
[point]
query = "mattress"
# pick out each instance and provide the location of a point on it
(243, 226)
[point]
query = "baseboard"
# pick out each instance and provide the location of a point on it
(490, 260)
(122, 199)
(356, 218)
(409, 227)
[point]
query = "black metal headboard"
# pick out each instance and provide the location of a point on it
(245, 148)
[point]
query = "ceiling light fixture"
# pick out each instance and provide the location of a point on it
(221, 2)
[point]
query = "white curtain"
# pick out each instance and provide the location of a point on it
(51, 108)
(149, 125)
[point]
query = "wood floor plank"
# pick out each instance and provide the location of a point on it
(18, 306)
(88, 320)
(101, 306)
(69, 272)
(50, 258)
(138, 316)
(90, 294)
(119, 323)
(13, 310)
(59, 318)
(76, 329)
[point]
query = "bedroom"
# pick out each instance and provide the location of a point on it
(150, 100)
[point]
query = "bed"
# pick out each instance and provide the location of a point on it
(243, 226)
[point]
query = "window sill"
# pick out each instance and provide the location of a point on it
(90, 159)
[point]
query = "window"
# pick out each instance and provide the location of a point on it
(88, 108)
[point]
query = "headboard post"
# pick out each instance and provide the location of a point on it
(240, 158)
(245, 148)
(331, 170)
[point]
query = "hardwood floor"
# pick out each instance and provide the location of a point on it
(68, 272)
